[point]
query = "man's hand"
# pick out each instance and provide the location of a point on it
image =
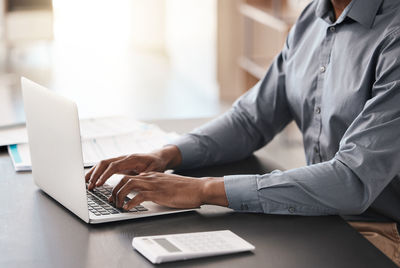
(166, 158)
(169, 190)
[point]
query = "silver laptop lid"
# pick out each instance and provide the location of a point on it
(55, 146)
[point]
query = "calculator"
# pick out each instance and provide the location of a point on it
(174, 247)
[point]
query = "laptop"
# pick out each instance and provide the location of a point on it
(57, 163)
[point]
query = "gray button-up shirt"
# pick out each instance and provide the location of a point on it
(340, 82)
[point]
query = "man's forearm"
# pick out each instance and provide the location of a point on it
(213, 192)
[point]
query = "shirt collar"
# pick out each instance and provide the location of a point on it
(364, 12)
(361, 11)
(324, 8)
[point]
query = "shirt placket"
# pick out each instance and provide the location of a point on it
(324, 60)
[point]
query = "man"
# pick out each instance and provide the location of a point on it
(338, 77)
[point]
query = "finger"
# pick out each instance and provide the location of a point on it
(116, 189)
(138, 199)
(149, 173)
(132, 185)
(99, 169)
(112, 168)
(122, 166)
(87, 176)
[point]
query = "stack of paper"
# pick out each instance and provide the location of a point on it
(13, 135)
(103, 138)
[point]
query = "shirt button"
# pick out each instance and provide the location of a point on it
(332, 29)
(292, 210)
(322, 69)
(318, 110)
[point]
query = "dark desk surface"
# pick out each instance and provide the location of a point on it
(35, 231)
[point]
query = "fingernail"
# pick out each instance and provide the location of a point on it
(125, 207)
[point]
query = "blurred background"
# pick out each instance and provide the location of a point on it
(149, 59)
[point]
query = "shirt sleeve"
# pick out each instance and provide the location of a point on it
(254, 119)
(367, 159)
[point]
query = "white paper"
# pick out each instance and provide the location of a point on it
(111, 126)
(98, 149)
(90, 128)
(13, 135)
(144, 139)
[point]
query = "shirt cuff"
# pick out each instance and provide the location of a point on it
(190, 149)
(241, 192)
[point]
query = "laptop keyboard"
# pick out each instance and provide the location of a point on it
(98, 202)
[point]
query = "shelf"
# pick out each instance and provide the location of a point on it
(257, 67)
(279, 18)
(255, 32)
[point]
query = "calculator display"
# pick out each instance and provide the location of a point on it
(166, 245)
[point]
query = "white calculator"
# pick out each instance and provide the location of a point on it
(174, 247)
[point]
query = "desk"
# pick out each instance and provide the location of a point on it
(35, 231)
